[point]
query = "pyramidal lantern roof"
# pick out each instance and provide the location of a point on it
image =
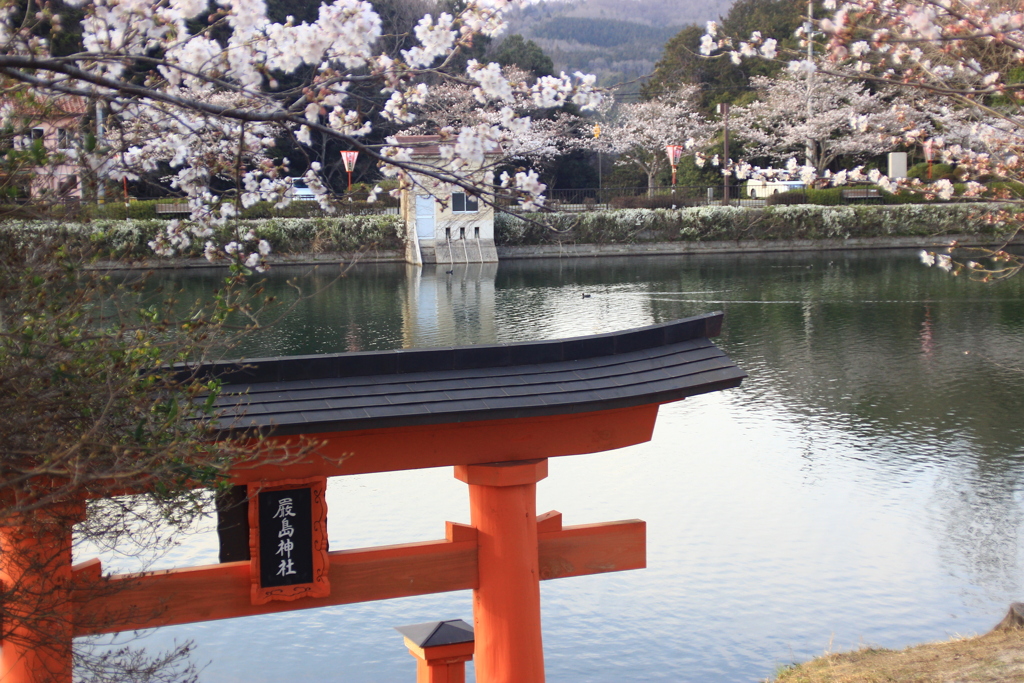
(437, 633)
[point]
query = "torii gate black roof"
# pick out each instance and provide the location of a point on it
(379, 389)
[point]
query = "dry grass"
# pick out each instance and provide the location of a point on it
(997, 657)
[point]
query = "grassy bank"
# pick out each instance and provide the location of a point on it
(997, 657)
(717, 223)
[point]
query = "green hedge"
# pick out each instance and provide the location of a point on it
(920, 170)
(833, 196)
(665, 201)
(1014, 190)
(146, 209)
(712, 223)
(130, 239)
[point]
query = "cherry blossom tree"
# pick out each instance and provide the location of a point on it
(841, 119)
(205, 88)
(638, 132)
(452, 105)
(969, 53)
(139, 56)
(965, 53)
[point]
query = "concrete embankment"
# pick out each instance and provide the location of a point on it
(734, 246)
(572, 250)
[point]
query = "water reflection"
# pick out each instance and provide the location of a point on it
(866, 484)
(449, 305)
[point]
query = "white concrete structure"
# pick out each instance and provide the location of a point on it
(897, 165)
(440, 227)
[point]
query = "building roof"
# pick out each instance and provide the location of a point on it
(48, 108)
(377, 389)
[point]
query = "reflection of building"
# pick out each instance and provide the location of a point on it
(449, 309)
(443, 226)
(54, 126)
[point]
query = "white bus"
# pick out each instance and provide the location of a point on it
(760, 189)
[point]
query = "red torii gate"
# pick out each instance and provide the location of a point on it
(495, 413)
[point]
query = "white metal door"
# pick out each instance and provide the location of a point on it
(424, 217)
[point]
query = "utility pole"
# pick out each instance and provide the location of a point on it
(100, 190)
(723, 109)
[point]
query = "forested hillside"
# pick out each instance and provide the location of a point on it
(604, 32)
(650, 12)
(618, 40)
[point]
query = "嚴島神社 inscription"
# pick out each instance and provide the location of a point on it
(288, 540)
(286, 537)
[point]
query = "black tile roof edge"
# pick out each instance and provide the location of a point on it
(732, 380)
(401, 361)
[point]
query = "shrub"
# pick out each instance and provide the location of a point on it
(786, 198)
(28, 211)
(146, 209)
(137, 210)
(1009, 189)
(662, 201)
(827, 196)
(938, 171)
(624, 202)
(121, 238)
(712, 223)
(833, 196)
(307, 209)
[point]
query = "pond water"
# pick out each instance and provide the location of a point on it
(865, 485)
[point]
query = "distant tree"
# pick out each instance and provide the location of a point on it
(92, 408)
(721, 80)
(574, 170)
(639, 132)
(965, 54)
(299, 10)
(526, 54)
(841, 118)
(602, 32)
(452, 106)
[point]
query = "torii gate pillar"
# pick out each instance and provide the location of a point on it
(506, 604)
(35, 560)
